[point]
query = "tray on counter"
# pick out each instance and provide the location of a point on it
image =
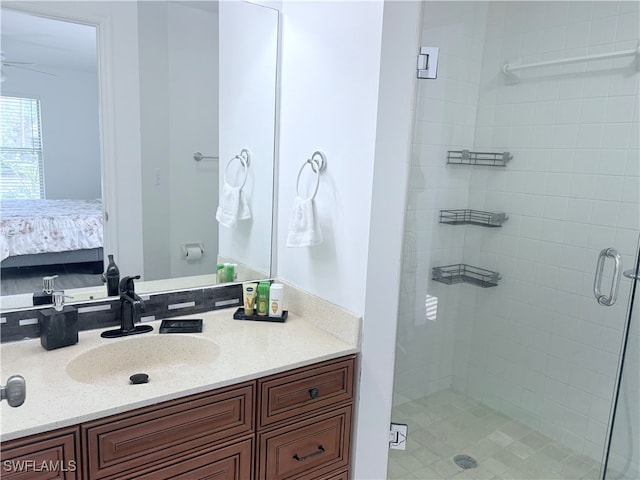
(190, 325)
(239, 315)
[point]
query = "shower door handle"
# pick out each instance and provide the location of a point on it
(631, 274)
(602, 299)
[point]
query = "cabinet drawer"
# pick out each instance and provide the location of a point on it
(307, 449)
(47, 456)
(344, 475)
(234, 462)
(147, 436)
(305, 390)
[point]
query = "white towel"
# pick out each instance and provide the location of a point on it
(304, 229)
(233, 206)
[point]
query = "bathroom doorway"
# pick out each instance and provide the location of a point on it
(522, 199)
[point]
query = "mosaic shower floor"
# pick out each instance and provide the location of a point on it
(447, 424)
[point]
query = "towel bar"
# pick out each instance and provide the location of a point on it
(198, 157)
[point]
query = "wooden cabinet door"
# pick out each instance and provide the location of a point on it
(47, 456)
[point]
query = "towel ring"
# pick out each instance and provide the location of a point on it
(245, 161)
(318, 163)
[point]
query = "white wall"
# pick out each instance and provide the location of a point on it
(153, 40)
(340, 97)
(193, 125)
(396, 101)
(329, 97)
(70, 128)
(179, 111)
(247, 113)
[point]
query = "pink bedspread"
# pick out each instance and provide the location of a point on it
(39, 226)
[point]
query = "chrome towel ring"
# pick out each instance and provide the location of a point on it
(318, 163)
(245, 160)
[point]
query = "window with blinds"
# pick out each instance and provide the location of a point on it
(21, 166)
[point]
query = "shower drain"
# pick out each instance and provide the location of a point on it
(465, 461)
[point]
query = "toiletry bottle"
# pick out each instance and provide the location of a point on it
(263, 298)
(45, 297)
(249, 297)
(112, 276)
(276, 294)
(221, 275)
(230, 272)
(58, 325)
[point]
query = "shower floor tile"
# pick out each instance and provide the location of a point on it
(447, 423)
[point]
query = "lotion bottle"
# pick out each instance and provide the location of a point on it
(276, 294)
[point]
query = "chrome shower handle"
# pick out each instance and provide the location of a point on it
(602, 299)
(631, 273)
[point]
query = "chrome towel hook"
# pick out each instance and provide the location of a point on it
(318, 163)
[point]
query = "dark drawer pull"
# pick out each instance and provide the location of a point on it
(317, 452)
(314, 393)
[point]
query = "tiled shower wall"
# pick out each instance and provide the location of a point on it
(542, 349)
(537, 347)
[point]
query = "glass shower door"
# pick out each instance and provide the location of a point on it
(503, 354)
(622, 459)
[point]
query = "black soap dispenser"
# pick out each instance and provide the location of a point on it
(112, 277)
(45, 297)
(58, 325)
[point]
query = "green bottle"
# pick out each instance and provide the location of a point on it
(263, 298)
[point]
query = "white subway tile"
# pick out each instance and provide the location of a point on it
(593, 110)
(576, 423)
(590, 135)
(579, 210)
(568, 111)
(603, 31)
(575, 233)
(605, 213)
(616, 135)
(628, 27)
(620, 109)
(608, 188)
(602, 9)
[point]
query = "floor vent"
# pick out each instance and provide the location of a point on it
(465, 461)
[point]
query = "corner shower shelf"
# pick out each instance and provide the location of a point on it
(462, 273)
(472, 217)
(465, 157)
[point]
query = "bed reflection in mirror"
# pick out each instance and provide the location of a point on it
(51, 189)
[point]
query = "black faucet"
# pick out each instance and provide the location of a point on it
(131, 306)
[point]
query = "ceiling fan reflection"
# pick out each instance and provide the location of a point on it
(21, 65)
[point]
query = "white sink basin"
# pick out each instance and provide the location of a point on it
(162, 357)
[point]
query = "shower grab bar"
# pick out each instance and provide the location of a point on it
(602, 299)
(509, 68)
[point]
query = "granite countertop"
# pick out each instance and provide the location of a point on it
(240, 351)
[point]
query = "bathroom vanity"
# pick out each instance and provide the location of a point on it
(277, 403)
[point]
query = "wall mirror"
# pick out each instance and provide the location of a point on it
(128, 93)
